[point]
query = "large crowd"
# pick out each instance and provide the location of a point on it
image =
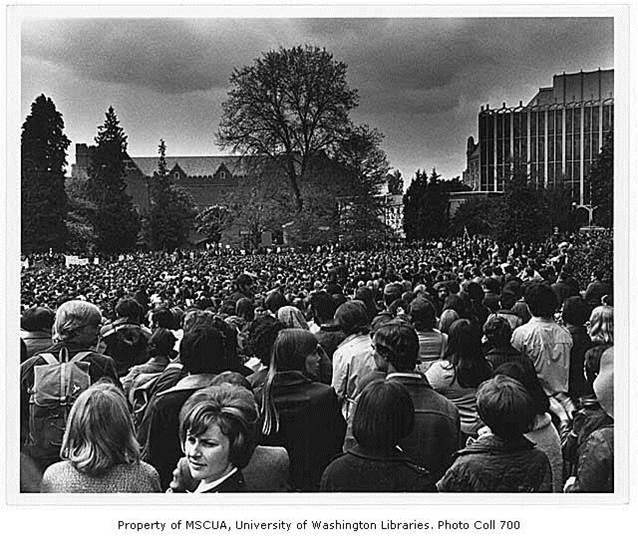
(450, 366)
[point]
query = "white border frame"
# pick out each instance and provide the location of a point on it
(621, 14)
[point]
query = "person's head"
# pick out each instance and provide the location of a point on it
(161, 343)
(197, 317)
(231, 377)
(129, 309)
(352, 317)
(217, 430)
(274, 301)
(322, 306)
(575, 311)
(162, 317)
(37, 319)
(508, 299)
(384, 415)
(498, 332)
(505, 407)
(99, 432)
(601, 325)
(464, 339)
(448, 317)
(292, 317)
(262, 334)
(465, 354)
(391, 292)
(396, 347)
(244, 284)
(77, 322)
(541, 300)
(244, 308)
(202, 350)
(523, 371)
(442, 290)
(296, 349)
(422, 314)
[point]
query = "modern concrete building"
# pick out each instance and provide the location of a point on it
(556, 136)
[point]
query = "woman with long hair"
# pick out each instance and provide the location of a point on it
(461, 372)
(299, 414)
(99, 450)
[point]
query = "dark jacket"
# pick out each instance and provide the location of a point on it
(578, 386)
(36, 341)
(365, 471)
(436, 432)
(99, 366)
(126, 343)
(587, 419)
(595, 472)
(311, 427)
(329, 337)
(595, 291)
(496, 356)
(162, 449)
(492, 464)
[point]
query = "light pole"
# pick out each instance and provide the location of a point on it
(589, 208)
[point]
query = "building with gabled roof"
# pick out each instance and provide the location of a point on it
(209, 180)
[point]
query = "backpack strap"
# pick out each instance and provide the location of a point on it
(78, 357)
(49, 358)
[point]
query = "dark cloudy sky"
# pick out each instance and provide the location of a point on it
(421, 81)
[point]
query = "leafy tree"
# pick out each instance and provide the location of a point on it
(290, 105)
(212, 222)
(395, 183)
(522, 212)
(115, 221)
(43, 159)
(366, 166)
(601, 182)
(476, 215)
(172, 209)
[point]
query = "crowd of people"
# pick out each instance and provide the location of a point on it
(451, 366)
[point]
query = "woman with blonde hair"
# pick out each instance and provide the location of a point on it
(299, 414)
(99, 450)
(601, 333)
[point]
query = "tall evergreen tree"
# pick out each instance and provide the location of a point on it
(413, 206)
(115, 221)
(172, 211)
(601, 181)
(425, 207)
(43, 158)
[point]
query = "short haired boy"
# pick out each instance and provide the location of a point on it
(503, 461)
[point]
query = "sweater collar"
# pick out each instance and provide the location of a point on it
(493, 444)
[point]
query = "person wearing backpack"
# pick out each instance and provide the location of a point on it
(51, 381)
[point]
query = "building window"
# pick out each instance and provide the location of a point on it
(176, 175)
(222, 175)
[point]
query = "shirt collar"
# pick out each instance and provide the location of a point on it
(204, 486)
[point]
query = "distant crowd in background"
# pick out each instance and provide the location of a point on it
(451, 366)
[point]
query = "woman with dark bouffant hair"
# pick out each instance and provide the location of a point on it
(217, 434)
(99, 451)
(384, 416)
(299, 414)
(460, 373)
